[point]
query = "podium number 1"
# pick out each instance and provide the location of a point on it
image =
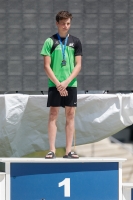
(66, 184)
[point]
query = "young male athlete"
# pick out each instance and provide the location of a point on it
(62, 62)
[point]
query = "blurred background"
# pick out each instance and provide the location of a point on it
(105, 28)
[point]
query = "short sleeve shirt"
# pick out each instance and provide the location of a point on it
(53, 49)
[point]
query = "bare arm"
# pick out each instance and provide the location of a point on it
(76, 70)
(74, 73)
(49, 72)
(52, 77)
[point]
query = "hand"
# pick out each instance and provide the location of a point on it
(62, 86)
(64, 93)
(59, 87)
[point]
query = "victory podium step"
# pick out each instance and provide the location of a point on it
(59, 179)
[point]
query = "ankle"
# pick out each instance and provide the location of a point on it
(68, 151)
(53, 150)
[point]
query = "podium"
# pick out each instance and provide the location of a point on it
(60, 179)
(127, 191)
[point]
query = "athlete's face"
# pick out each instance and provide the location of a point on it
(63, 25)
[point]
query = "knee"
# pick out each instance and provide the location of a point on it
(70, 115)
(53, 115)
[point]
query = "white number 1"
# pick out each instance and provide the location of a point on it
(66, 183)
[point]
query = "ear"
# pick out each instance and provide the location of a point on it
(57, 23)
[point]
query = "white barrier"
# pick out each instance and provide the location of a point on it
(24, 119)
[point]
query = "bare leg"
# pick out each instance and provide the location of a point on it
(70, 127)
(52, 128)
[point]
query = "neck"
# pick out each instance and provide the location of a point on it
(63, 35)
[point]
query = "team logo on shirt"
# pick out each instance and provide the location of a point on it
(71, 44)
(56, 42)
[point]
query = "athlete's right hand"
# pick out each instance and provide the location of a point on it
(64, 93)
(61, 90)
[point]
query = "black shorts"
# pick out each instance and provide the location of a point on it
(55, 100)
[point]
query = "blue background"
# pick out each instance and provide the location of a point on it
(88, 181)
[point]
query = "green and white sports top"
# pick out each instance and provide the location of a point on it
(53, 49)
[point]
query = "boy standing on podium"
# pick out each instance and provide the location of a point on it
(62, 63)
